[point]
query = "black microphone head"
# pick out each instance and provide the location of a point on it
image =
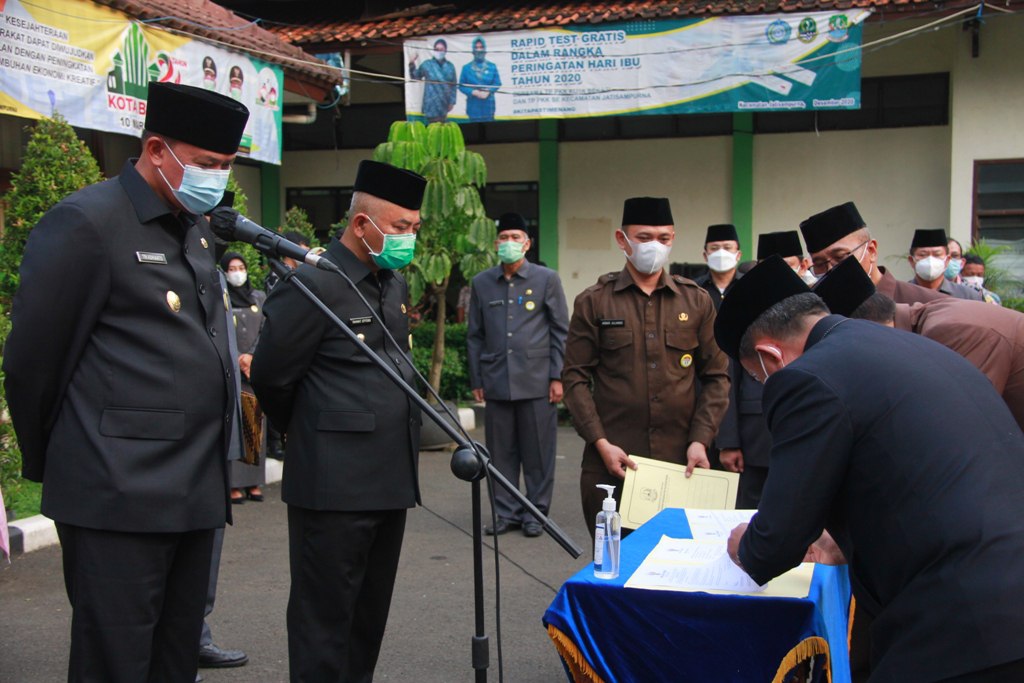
(222, 221)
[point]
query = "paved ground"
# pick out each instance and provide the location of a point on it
(431, 621)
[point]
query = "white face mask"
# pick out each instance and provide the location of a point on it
(760, 359)
(439, 55)
(647, 257)
(930, 269)
(236, 278)
(722, 261)
(808, 277)
(974, 280)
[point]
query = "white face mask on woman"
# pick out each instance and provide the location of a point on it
(647, 257)
(236, 278)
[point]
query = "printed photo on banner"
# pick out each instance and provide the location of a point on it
(93, 65)
(723, 64)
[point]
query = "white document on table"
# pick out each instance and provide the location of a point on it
(688, 564)
(655, 485)
(715, 524)
(684, 564)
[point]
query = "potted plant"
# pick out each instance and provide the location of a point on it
(455, 228)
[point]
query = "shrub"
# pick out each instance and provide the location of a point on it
(55, 164)
(455, 369)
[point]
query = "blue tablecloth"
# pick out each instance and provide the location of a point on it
(625, 634)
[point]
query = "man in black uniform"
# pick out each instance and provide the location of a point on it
(353, 435)
(722, 253)
(121, 393)
(928, 516)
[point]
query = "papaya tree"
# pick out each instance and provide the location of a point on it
(455, 229)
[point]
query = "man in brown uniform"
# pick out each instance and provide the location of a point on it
(643, 338)
(990, 337)
(836, 233)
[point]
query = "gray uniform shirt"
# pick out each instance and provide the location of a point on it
(517, 330)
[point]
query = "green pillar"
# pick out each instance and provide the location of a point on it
(270, 195)
(548, 192)
(743, 181)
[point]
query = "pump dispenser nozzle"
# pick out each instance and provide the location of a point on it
(608, 504)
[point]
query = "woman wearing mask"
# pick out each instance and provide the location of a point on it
(247, 309)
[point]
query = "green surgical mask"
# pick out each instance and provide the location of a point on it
(397, 250)
(510, 252)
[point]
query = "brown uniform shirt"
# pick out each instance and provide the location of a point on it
(990, 337)
(905, 292)
(643, 355)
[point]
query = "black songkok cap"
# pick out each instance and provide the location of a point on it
(785, 243)
(647, 211)
(845, 287)
(722, 233)
(512, 221)
(767, 283)
(830, 226)
(929, 238)
(203, 118)
(390, 183)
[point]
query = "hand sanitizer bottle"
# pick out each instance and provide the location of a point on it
(606, 537)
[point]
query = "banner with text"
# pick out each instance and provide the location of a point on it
(93, 65)
(724, 64)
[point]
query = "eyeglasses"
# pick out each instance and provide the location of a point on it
(822, 266)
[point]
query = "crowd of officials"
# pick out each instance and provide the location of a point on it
(873, 422)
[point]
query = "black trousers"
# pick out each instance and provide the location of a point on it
(137, 603)
(343, 567)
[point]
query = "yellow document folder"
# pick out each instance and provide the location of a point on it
(655, 485)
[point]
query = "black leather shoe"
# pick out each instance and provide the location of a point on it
(503, 526)
(532, 529)
(275, 449)
(212, 657)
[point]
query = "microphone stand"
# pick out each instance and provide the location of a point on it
(470, 462)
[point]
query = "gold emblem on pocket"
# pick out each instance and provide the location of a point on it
(529, 292)
(530, 305)
(202, 241)
(173, 301)
(686, 361)
(403, 308)
(254, 308)
(683, 317)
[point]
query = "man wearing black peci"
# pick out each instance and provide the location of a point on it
(121, 394)
(353, 435)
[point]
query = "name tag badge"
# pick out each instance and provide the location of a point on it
(151, 257)
(612, 323)
(496, 302)
(363, 320)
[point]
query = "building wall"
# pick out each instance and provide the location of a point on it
(898, 177)
(901, 178)
(595, 178)
(987, 106)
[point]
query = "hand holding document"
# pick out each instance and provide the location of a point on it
(655, 485)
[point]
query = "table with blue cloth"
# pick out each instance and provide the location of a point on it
(607, 632)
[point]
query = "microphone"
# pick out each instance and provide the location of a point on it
(231, 226)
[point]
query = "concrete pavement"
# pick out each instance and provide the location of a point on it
(431, 619)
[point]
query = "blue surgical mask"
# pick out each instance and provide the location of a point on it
(201, 189)
(954, 268)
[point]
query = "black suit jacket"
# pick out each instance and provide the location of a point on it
(867, 427)
(744, 426)
(118, 373)
(353, 435)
